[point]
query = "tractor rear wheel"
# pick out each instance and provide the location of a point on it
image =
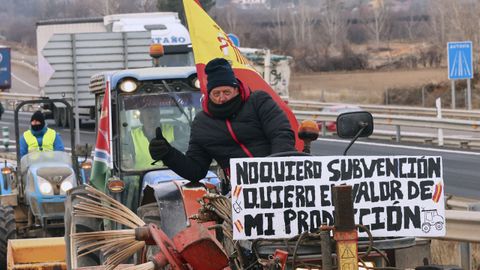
(79, 224)
(7, 231)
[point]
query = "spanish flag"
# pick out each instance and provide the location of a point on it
(437, 194)
(209, 41)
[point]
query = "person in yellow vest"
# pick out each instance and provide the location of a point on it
(39, 137)
(141, 137)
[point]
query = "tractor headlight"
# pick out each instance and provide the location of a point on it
(128, 85)
(45, 186)
(196, 83)
(66, 185)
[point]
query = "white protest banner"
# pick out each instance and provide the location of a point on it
(285, 196)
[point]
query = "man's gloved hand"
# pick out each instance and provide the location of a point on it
(159, 146)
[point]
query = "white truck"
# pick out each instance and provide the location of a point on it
(70, 51)
(274, 68)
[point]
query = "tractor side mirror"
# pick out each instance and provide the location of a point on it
(354, 124)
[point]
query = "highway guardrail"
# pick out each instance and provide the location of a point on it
(389, 109)
(398, 121)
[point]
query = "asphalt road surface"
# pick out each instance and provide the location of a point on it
(24, 80)
(461, 168)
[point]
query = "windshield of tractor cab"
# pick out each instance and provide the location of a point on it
(141, 114)
(58, 157)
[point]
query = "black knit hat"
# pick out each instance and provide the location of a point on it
(38, 115)
(220, 73)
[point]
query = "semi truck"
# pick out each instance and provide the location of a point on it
(70, 51)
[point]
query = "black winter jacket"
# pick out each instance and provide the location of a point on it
(260, 125)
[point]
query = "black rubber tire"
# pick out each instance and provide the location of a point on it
(76, 224)
(7, 231)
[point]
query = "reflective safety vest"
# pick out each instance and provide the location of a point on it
(141, 143)
(47, 140)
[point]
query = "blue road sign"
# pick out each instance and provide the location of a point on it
(5, 69)
(235, 40)
(460, 64)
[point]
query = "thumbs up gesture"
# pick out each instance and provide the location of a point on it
(159, 146)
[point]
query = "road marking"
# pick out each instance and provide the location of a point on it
(24, 82)
(403, 146)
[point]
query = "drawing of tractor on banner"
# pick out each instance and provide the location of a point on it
(432, 219)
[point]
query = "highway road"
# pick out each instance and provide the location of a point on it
(461, 168)
(24, 80)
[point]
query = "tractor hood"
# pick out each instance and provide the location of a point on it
(156, 177)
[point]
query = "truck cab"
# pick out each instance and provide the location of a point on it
(142, 100)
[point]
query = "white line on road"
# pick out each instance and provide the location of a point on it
(24, 82)
(403, 146)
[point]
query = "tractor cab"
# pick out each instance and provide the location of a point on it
(141, 101)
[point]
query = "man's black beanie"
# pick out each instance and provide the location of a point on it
(219, 73)
(38, 115)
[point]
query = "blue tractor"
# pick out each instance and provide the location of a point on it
(168, 97)
(33, 190)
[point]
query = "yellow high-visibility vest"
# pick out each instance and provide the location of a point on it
(47, 140)
(141, 143)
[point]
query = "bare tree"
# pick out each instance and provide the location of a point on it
(302, 22)
(377, 18)
(333, 23)
(437, 10)
(278, 29)
(229, 18)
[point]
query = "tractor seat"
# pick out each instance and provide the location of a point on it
(56, 175)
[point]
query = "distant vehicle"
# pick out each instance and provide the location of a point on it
(274, 68)
(337, 109)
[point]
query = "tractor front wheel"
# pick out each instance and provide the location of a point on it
(7, 231)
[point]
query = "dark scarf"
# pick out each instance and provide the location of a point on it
(227, 109)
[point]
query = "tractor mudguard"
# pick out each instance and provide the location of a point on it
(171, 208)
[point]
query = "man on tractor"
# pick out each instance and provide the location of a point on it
(39, 137)
(149, 118)
(234, 123)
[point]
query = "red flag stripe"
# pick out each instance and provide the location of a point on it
(437, 193)
(237, 191)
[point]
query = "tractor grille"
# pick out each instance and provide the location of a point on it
(52, 209)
